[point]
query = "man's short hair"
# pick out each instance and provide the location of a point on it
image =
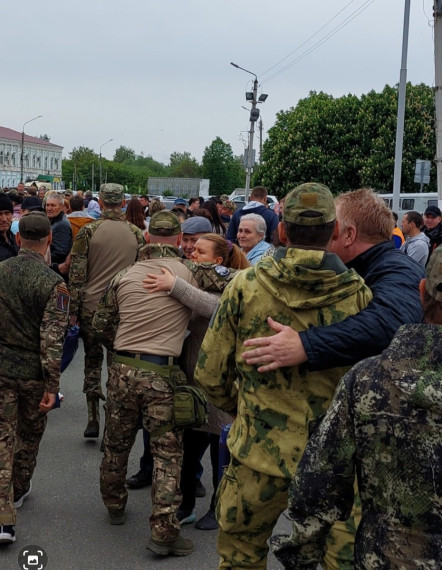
(54, 195)
(259, 192)
(193, 200)
(414, 217)
(368, 212)
(77, 203)
(260, 223)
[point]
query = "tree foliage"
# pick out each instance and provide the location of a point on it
(124, 155)
(222, 168)
(348, 142)
(183, 165)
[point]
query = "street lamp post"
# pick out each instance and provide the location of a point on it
(110, 140)
(254, 114)
(23, 144)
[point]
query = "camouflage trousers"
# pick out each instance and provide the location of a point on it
(93, 355)
(131, 391)
(248, 506)
(21, 428)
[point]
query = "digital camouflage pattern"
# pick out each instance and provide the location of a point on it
(300, 288)
(130, 389)
(22, 426)
(34, 308)
(80, 252)
(385, 425)
(93, 356)
(112, 193)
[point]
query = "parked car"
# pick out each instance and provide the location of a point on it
(240, 200)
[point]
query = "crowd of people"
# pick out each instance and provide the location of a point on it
(313, 333)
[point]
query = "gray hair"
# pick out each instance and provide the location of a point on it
(53, 194)
(260, 223)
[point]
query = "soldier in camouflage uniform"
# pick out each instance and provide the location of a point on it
(304, 286)
(385, 425)
(101, 249)
(34, 305)
(146, 333)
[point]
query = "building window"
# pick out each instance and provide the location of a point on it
(52, 164)
(27, 161)
(13, 159)
(34, 161)
(46, 162)
(56, 164)
(1, 159)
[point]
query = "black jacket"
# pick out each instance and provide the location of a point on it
(61, 238)
(8, 247)
(394, 279)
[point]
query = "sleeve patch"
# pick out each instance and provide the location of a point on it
(63, 298)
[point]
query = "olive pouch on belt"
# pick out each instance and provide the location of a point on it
(190, 409)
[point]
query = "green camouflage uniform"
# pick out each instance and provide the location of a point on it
(34, 305)
(131, 390)
(385, 425)
(78, 275)
(300, 288)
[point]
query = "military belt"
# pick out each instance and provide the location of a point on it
(163, 370)
(154, 358)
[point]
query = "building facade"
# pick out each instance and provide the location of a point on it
(40, 158)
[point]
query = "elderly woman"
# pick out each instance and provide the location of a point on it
(251, 233)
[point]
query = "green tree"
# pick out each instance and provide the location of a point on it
(348, 142)
(124, 155)
(79, 167)
(183, 165)
(222, 168)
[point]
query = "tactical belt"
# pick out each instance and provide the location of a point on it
(153, 362)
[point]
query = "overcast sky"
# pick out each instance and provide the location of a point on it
(155, 75)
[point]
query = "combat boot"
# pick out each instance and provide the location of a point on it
(93, 416)
(179, 547)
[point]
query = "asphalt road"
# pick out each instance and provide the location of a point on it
(65, 516)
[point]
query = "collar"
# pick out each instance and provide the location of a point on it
(31, 254)
(112, 215)
(361, 262)
(157, 250)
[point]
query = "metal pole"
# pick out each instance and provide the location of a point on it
(401, 111)
(251, 133)
(110, 140)
(23, 144)
(438, 93)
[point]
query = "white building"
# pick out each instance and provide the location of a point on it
(40, 158)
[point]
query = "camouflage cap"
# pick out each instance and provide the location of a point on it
(34, 226)
(310, 198)
(164, 223)
(112, 193)
(433, 283)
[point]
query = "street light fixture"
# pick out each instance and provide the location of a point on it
(110, 140)
(23, 144)
(254, 116)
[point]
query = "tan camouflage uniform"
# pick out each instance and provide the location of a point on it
(131, 391)
(300, 288)
(34, 305)
(385, 426)
(78, 281)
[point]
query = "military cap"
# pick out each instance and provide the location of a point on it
(164, 223)
(310, 198)
(196, 225)
(32, 203)
(112, 193)
(34, 226)
(433, 283)
(6, 203)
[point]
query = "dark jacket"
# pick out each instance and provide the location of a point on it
(435, 237)
(394, 281)
(61, 238)
(269, 216)
(8, 247)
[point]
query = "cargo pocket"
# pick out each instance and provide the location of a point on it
(227, 501)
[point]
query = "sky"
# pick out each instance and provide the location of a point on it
(155, 75)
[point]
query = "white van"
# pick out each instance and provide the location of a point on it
(418, 202)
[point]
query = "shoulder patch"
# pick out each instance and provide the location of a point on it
(221, 270)
(63, 298)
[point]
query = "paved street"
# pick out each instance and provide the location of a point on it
(65, 516)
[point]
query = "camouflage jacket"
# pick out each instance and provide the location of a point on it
(78, 272)
(106, 319)
(301, 288)
(34, 305)
(385, 425)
